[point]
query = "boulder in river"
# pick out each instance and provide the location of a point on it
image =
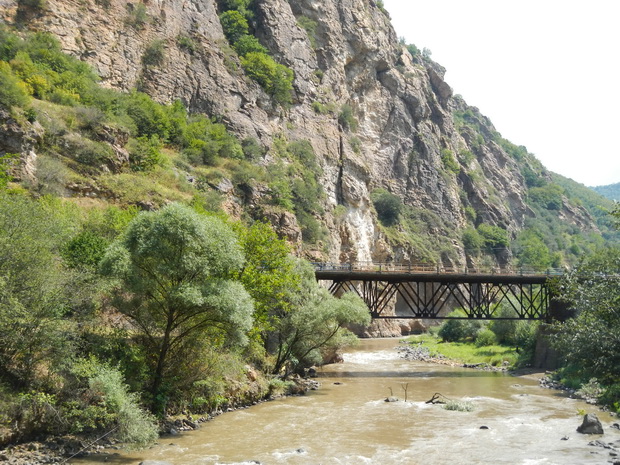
(591, 425)
(391, 399)
(154, 462)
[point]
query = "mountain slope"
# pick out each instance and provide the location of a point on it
(365, 118)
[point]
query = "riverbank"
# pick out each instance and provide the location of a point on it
(60, 449)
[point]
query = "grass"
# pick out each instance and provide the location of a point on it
(494, 355)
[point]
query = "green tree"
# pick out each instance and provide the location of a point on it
(33, 290)
(234, 24)
(590, 342)
(276, 79)
(388, 206)
(316, 324)
(173, 269)
(269, 274)
(494, 237)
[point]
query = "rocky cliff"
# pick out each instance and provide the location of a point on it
(412, 137)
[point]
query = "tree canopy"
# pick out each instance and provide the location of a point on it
(174, 271)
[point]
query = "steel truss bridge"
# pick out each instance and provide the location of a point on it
(429, 291)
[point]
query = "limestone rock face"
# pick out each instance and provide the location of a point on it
(402, 105)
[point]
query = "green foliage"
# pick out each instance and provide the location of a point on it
(449, 162)
(137, 16)
(309, 25)
(6, 161)
(248, 44)
(388, 206)
(459, 330)
(549, 196)
(485, 337)
(531, 251)
(611, 191)
(413, 50)
(316, 325)
(33, 292)
(473, 242)
(154, 53)
(12, 92)
(145, 153)
(589, 342)
(173, 269)
(495, 238)
(276, 79)
(235, 25)
(252, 150)
(85, 250)
(149, 117)
(186, 43)
(346, 118)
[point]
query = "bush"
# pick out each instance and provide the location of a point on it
(154, 53)
(485, 337)
(234, 24)
(346, 118)
(248, 44)
(145, 153)
(12, 91)
(309, 26)
(276, 79)
(149, 117)
(449, 162)
(472, 241)
(137, 16)
(388, 206)
(459, 330)
(459, 406)
(494, 237)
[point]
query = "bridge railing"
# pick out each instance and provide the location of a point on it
(432, 268)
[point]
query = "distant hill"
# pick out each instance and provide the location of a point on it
(611, 191)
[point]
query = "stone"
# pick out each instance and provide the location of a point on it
(391, 399)
(154, 462)
(591, 425)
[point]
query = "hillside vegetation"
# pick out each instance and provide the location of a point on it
(147, 263)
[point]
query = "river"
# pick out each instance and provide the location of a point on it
(347, 421)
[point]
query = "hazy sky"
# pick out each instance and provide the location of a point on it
(546, 72)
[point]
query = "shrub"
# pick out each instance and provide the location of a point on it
(248, 44)
(485, 337)
(494, 237)
(459, 406)
(309, 26)
(136, 16)
(472, 241)
(149, 117)
(85, 250)
(346, 118)
(461, 329)
(388, 206)
(154, 53)
(234, 24)
(449, 161)
(145, 153)
(186, 43)
(12, 91)
(276, 79)
(252, 150)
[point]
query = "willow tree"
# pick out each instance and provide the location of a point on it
(173, 270)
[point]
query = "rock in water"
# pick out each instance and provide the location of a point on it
(591, 425)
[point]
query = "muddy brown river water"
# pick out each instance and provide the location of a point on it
(347, 421)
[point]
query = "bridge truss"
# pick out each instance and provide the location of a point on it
(431, 295)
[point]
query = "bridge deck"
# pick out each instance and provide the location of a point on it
(426, 290)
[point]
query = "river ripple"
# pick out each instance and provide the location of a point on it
(348, 422)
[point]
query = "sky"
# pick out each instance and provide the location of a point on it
(546, 72)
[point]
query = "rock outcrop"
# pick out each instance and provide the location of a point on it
(407, 134)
